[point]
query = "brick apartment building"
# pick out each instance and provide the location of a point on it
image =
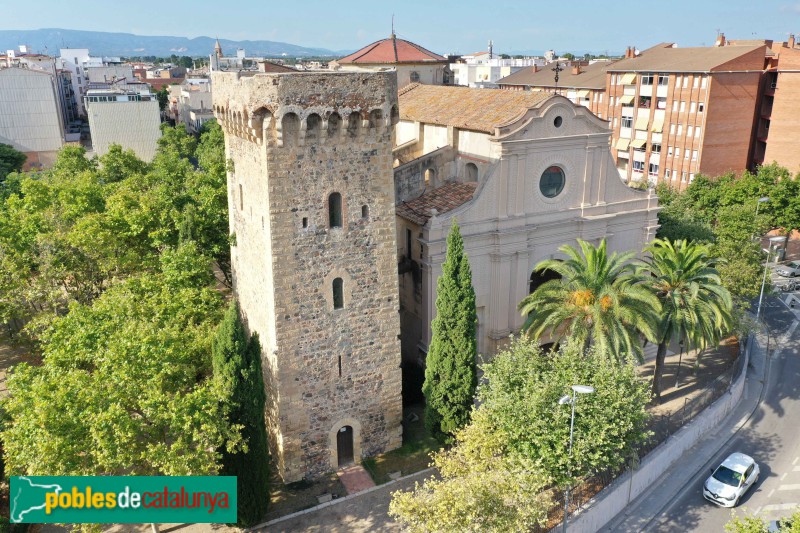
(779, 117)
(579, 82)
(676, 112)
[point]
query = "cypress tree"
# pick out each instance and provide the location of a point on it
(237, 366)
(450, 372)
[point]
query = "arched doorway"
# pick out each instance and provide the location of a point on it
(539, 278)
(344, 446)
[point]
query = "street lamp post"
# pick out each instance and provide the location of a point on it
(760, 201)
(567, 399)
(772, 240)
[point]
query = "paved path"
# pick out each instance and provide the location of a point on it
(355, 479)
(364, 512)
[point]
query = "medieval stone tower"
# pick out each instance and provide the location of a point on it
(311, 199)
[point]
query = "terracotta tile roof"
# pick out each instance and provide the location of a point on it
(695, 59)
(463, 107)
(269, 66)
(391, 51)
(445, 198)
(591, 77)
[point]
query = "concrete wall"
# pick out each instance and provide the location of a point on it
(133, 125)
(288, 158)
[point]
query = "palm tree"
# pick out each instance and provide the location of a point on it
(696, 308)
(600, 299)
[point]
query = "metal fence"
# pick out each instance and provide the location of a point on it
(661, 426)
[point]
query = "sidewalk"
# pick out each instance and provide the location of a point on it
(639, 514)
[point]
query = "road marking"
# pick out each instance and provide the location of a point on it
(795, 461)
(789, 487)
(771, 493)
(778, 507)
(758, 510)
(796, 469)
(784, 476)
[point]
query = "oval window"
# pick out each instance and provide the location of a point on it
(552, 182)
(558, 121)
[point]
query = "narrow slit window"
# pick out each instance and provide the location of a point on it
(335, 210)
(241, 197)
(365, 211)
(305, 222)
(338, 293)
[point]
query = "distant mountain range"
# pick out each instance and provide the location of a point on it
(50, 40)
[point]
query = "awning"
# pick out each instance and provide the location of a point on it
(583, 93)
(641, 123)
(628, 79)
(658, 125)
(627, 99)
(638, 143)
(622, 144)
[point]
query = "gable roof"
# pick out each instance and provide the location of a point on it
(694, 59)
(463, 107)
(591, 77)
(391, 51)
(445, 198)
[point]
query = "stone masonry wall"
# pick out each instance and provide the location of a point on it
(294, 139)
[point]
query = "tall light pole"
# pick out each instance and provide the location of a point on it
(567, 399)
(680, 356)
(772, 240)
(760, 201)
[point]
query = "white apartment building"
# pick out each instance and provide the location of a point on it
(125, 117)
(78, 62)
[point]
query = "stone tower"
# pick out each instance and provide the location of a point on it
(311, 199)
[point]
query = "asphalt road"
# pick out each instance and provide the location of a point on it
(772, 437)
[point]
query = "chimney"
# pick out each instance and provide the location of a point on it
(720, 40)
(790, 44)
(491, 55)
(535, 68)
(576, 69)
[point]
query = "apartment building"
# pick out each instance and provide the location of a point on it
(676, 112)
(579, 82)
(779, 118)
(126, 117)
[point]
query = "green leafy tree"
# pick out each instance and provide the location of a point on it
(11, 160)
(125, 386)
(237, 367)
(163, 98)
(480, 487)
(450, 372)
(695, 307)
(497, 474)
(753, 524)
(599, 299)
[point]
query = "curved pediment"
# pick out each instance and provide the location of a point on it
(554, 117)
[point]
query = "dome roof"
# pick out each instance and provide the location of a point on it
(391, 51)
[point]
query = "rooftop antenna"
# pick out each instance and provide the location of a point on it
(392, 24)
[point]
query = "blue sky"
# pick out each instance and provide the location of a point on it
(444, 26)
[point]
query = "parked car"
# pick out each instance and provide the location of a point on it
(731, 480)
(783, 524)
(789, 270)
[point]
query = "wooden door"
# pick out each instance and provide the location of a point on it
(344, 445)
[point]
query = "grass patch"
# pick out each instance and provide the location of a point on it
(412, 456)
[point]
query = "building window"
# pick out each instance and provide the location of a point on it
(690, 131)
(669, 151)
(703, 82)
(627, 122)
(663, 79)
(414, 77)
(696, 82)
(305, 222)
(338, 293)
(613, 79)
(616, 121)
(692, 107)
(472, 172)
(638, 166)
(677, 152)
(683, 106)
(697, 132)
(647, 78)
(683, 176)
(672, 129)
(652, 169)
(691, 177)
(678, 80)
(674, 106)
(408, 242)
(645, 102)
(241, 197)
(655, 148)
(685, 82)
(552, 182)
(667, 173)
(335, 210)
(661, 103)
(680, 129)
(694, 155)
(686, 153)
(701, 107)
(365, 211)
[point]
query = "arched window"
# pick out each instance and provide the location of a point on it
(472, 172)
(338, 293)
(290, 126)
(313, 127)
(430, 174)
(364, 211)
(375, 118)
(335, 210)
(353, 124)
(334, 124)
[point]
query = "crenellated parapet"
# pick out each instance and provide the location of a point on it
(299, 109)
